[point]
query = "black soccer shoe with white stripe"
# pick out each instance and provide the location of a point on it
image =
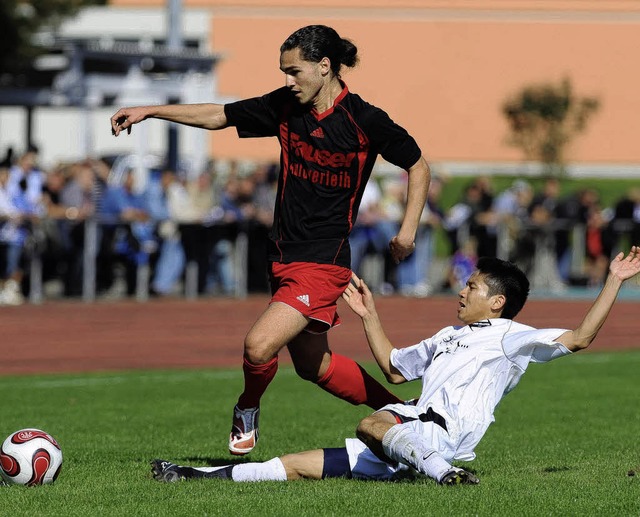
(168, 472)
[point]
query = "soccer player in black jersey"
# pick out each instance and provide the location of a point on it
(330, 139)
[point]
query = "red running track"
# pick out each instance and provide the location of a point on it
(108, 336)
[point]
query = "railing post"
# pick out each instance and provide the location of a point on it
(240, 263)
(35, 272)
(143, 274)
(504, 243)
(578, 246)
(191, 280)
(90, 253)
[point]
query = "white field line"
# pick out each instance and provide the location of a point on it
(183, 376)
(108, 380)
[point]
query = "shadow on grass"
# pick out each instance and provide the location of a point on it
(199, 461)
(557, 469)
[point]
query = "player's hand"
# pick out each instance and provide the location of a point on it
(359, 297)
(124, 118)
(626, 267)
(401, 248)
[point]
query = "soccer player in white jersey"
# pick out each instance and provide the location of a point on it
(465, 371)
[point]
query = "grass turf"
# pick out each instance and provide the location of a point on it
(563, 444)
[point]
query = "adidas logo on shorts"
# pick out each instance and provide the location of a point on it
(304, 298)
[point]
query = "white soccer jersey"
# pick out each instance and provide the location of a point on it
(466, 370)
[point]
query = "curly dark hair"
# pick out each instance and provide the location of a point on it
(318, 41)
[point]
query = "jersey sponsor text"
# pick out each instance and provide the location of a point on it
(321, 157)
(328, 179)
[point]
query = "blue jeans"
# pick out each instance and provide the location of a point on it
(414, 270)
(169, 267)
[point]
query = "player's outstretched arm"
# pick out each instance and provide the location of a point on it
(621, 268)
(403, 244)
(205, 116)
(360, 299)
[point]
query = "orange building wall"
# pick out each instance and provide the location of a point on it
(444, 73)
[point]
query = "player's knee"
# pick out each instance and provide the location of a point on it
(364, 429)
(258, 349)
(308, 366)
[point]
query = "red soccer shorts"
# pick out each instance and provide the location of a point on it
(312, 289)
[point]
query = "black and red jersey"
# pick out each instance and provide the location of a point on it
(325, 163)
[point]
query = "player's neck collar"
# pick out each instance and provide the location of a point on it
(335, 102)
(480, 324)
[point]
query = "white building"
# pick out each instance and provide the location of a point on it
(111, 57)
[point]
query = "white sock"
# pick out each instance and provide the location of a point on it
(406, 446)
(272, 470)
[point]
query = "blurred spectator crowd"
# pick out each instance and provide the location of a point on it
(183, 229)
(559, 241)
(159, 222)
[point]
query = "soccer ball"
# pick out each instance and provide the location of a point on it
(30, 457)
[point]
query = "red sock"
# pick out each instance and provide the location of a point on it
(347, 380)
(256, 379)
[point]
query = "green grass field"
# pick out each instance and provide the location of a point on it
(563, 444)
(610, 190)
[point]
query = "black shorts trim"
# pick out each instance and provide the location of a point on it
(429, 416)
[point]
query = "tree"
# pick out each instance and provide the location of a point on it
(544, 118)
(19, 22)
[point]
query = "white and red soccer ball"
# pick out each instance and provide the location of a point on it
(30, 457)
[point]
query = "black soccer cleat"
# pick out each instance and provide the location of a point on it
(167, 472)
(458, 476)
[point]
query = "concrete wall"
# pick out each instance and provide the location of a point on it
(443, 69)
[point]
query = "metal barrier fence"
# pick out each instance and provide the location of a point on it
(143, 272)
(545, 265)
(543, 271)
